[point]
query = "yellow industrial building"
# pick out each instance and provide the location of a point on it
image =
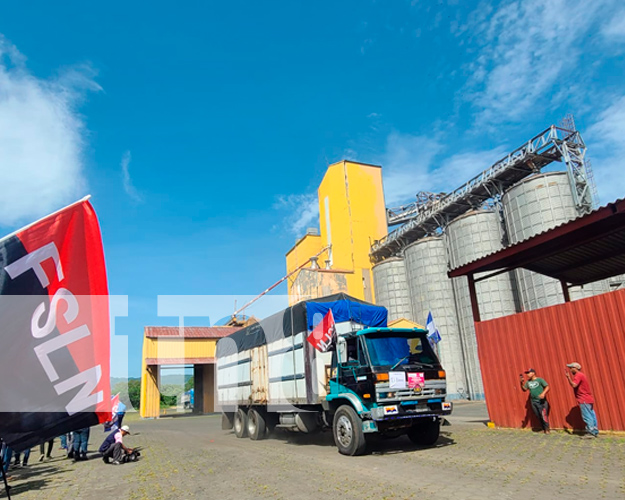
(352, 215)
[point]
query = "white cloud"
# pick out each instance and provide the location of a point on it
(606, 137)
(41, 138)
(128, 186)
(302, 212)
(461, 167)
(615, 27)
(413, 163)
(406, 165)
(526, 51)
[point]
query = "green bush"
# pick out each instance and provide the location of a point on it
(170, 393)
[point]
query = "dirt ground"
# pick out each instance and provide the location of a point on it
(191, 457)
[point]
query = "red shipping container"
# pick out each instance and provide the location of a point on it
(589, 331)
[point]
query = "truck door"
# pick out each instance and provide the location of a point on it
(354, 372)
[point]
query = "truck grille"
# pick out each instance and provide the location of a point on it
(431, 389)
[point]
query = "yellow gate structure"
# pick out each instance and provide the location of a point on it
(170, 346)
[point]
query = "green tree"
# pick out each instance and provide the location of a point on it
(188, 384)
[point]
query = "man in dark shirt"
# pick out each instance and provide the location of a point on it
(583, 395)
(538, 396)
(113, 446)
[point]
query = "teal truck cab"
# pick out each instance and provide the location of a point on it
(386, 381)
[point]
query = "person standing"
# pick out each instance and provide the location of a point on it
(6, 452)
(81, 439)
(538, 388)
(7, 455)
(42, 449)
(24, 462)
(121, 413)
(583, 395)
(65, 438)
(116, 422)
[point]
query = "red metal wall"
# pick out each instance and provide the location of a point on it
(590, 331)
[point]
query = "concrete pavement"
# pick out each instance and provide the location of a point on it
(191, 457)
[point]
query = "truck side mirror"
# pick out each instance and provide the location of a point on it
(341, 350)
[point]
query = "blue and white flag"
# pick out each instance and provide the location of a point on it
(433, 334)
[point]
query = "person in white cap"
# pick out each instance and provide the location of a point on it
(113, 446)
(583, 395)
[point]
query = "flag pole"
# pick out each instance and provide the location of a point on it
(44, 218)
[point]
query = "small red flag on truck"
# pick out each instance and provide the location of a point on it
(323, 335)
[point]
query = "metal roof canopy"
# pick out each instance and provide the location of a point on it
(189, 332)
(586, 249)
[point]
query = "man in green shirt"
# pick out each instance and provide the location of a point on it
(538, 388)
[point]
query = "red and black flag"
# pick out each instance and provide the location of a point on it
(54, 328)
(323, 335)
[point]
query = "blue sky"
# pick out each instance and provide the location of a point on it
(203, 131)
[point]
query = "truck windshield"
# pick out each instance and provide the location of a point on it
(393, 350)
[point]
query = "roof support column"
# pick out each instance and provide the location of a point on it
(473, 295)
(565, 291)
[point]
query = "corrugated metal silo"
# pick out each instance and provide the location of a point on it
(534, 205)
(431, 290)
(469, 237)
(391, 288)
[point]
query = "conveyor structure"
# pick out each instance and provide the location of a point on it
(430, 213)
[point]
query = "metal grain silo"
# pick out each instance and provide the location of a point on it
(431, 290)
(391, 288)
(534, 205)
(470, 237)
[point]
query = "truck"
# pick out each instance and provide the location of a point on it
(331, 363)
(187, 399)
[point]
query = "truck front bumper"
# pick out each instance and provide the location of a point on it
(401, 415)
(412, 409)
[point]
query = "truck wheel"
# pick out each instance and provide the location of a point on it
(347, 430)
(425, 433)
(227, 421)
(256, 425)
(240, 423)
